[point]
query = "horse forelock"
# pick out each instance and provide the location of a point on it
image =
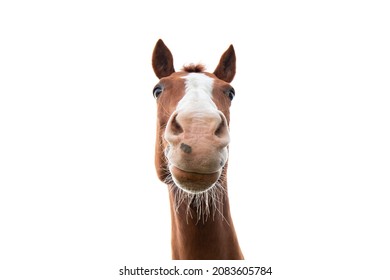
(194, 68)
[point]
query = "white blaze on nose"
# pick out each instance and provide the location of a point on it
(198, 93)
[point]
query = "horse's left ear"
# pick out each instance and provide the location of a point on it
(162, 60)
(226, 68)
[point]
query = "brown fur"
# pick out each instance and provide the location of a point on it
(194, 68)
(193, 235)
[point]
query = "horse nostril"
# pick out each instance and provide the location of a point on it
(175, 127)
(221, 129)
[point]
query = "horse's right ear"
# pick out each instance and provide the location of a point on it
(162, 60)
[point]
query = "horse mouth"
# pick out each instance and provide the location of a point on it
(194, 182)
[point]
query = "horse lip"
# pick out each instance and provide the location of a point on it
(194, 181)
(194, 172)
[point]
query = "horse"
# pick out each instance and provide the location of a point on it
(191, 154)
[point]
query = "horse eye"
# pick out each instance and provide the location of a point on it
(157, 91)
(230, 93)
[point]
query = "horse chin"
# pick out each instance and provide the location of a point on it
(193, 182)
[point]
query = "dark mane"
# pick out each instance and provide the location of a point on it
(194, 68)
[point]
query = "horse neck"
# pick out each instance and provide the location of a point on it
(201, 233)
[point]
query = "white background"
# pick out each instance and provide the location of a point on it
(310, 158)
